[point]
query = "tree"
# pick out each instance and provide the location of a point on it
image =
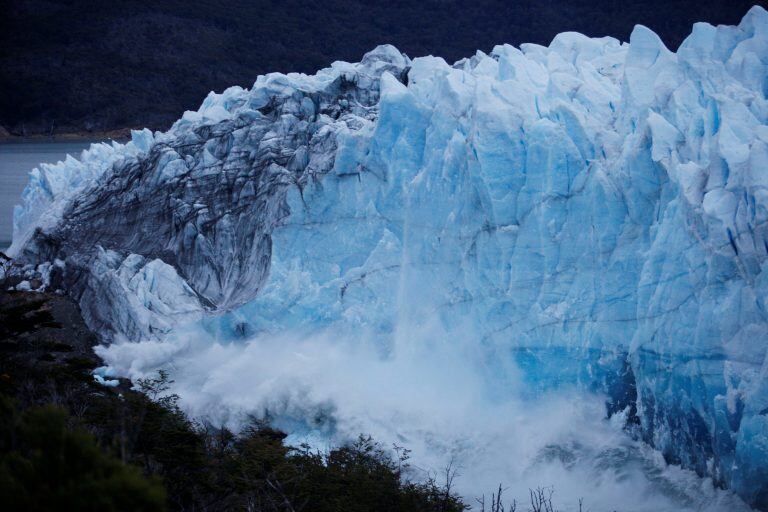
(46, 465)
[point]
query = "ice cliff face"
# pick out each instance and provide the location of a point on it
(177, 223)
(596, 212)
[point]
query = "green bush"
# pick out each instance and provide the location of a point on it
(49, 461)
(47, 465)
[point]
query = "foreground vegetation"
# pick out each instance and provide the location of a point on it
(140, 455)
(68, 443)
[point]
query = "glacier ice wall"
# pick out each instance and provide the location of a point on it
(594, 211)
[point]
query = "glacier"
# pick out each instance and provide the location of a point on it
(588, 215)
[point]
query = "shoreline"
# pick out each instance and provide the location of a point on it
(118, 135)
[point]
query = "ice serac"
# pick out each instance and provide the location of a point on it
(595, 211)
(199, 201)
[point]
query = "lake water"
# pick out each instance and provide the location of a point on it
(16, 160)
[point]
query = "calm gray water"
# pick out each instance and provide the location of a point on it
(16, 160)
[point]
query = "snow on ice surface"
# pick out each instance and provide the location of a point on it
(438, 254)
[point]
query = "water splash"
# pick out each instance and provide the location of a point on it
(326, 389)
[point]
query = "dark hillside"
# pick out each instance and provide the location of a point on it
(90, 65)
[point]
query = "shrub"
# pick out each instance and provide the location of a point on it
(47, 465)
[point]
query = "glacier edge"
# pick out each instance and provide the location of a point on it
(591, 201)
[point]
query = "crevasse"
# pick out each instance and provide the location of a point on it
(594, 211)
